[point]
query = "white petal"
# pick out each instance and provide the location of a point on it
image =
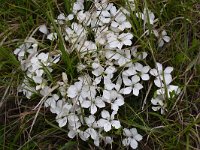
(97, 80)
(160, 43)
(138, 137)
(135, 79)
(86, 104)
(126, 141)
(154, 72)
(134, 144)
(71, 92)
(127, 24)
(108, 140)
(107, 126)
(127, 42)
(72, 134)
(133, 131)
(164, 33)
(118, 83)
(154, 101)
(138, 67)
(62, 122)
(159, 66)
(37, 79)
(114, 24)
(126, 90)
(116, 124)
(70, 16)
(93, 134)
(145, 77)
(61, 16)
(168, 70)
(168, 78)
(105, 114)
(138, 86)
(114, 107)
(135, 91)
(43, 29)
(43, 56)
(101, 122)
(109, 85)
(64, 77)
(89, 120)
(105, 13)
(145, 69)
(166, 38)
(106, 94)
(156, 108)
(93, 109)
(55, 97)
(110, 70)
(17, 50)
(84, 135)
(119, 101)
(99, 102)
(174, 88)
(158, 82)
(127, 132)
(52, 36)
(126, 81)
(131, 71)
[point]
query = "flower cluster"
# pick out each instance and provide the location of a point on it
(110, 67)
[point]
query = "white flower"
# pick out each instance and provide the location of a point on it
(87, 48)
(73, 121)
(100, 36)
(82, 134)
(75, 34)
(84, 17)
(108, 140)
(163, 38)
(143, 71)
(138, 55)
(117, 41)
(160, 104)
(120, 23)
(64, 112)
(27, 89)
(78, 6)
(132, 85)
(105, 11)
(90, 121)
(147, 16)
(38, 78)
(159, 101)
(163, 77)
(93, 104)
(52, 36)
(61, 19)
(130, 71)
(45, 90)
(132, 137)
(107, 121)
(61, 16)
(114, 98)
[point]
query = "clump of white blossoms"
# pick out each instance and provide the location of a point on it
(110, 68)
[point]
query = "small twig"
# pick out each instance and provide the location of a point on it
(39, 105)
(145, 99)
